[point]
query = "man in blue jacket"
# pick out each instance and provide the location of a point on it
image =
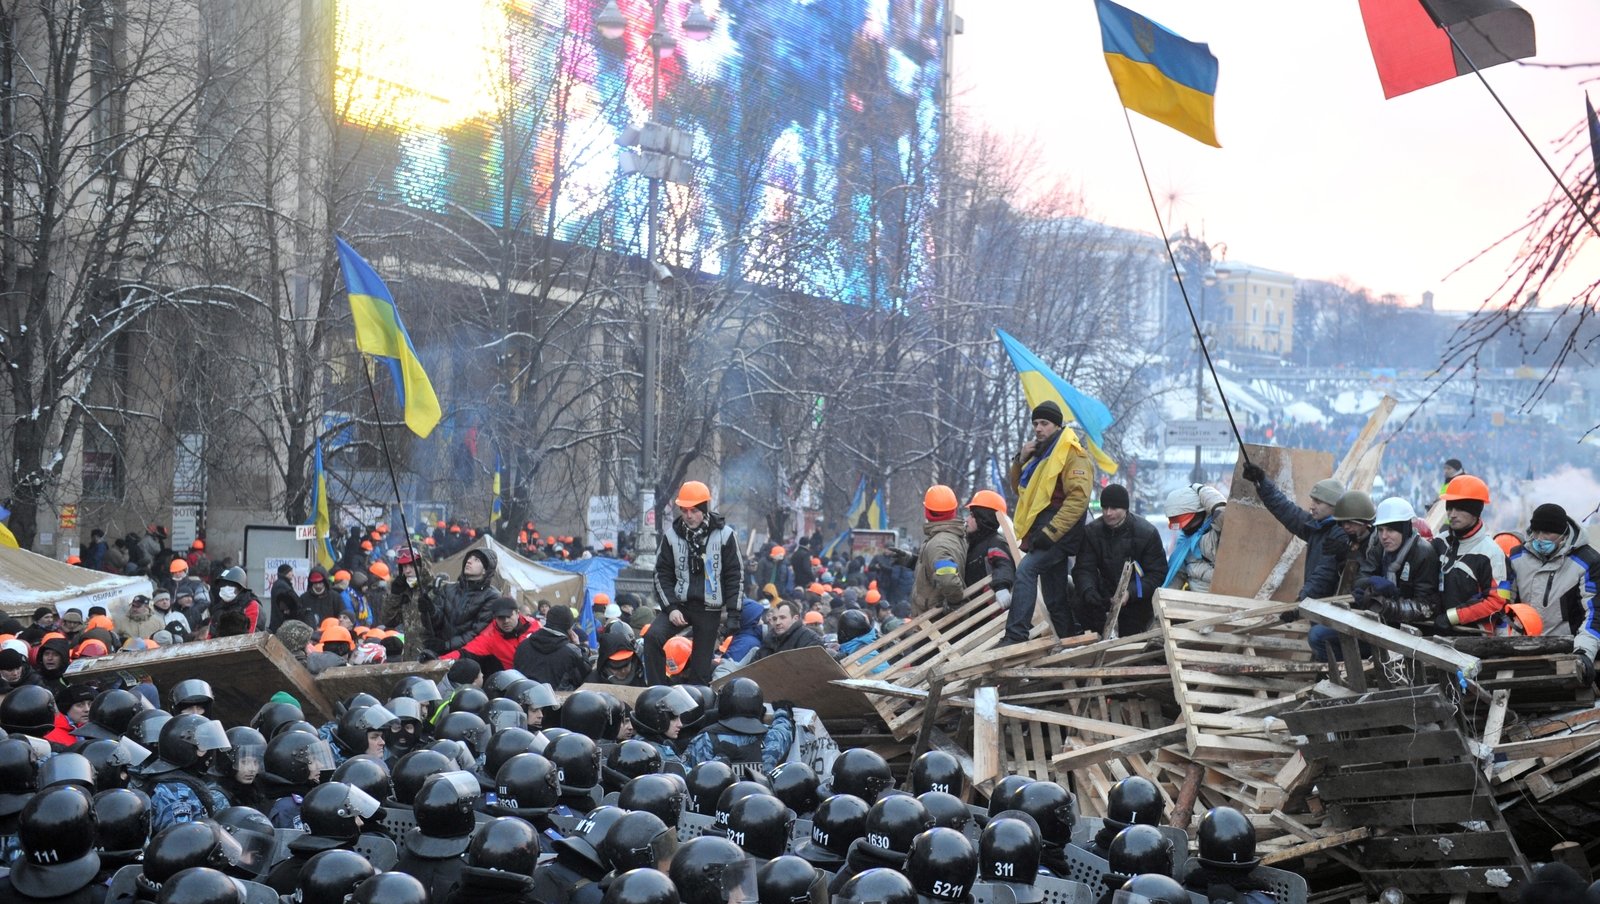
(1315, 526)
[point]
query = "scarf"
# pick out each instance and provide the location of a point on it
(696, 537)
(1039, 479)
(1185, 544)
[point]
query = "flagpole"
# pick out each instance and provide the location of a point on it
(383, 440)
(1587, 218)
(1177, 274)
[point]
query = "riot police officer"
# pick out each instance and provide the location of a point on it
(1228, 860)
(526, 787)
(1008, 860)
(892, 824)
(796, 785)
(860, 772)
(1052, 809)
(943, 866)
(739, 737)
(1133, 800)
(711, 870)
(788, 879)
(178, 791)
(838, 823)
(499, 865)
(332, 814)
(445, 822)
(56, 832)
(578, 867)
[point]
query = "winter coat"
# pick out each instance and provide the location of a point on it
(491, 641)
(405, 608)
(1193, 562)
(1561, 587)
(720, 742)
(285, 602)
(1069, 498)
(1472, 577)
(94, 555)
(549, 656)
(463, 609)
(313, 608)
(748, 638)
(800, 566)
(1098, 570)
(1413, 572)
(938, 579)
(146, 626)
(989, 556)
(798, 637)
(245, 602)
(711, 580)
(1316, 533)
(194, 587)
(116, 559)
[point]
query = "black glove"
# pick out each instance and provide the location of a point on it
(427, 656)
(901, 557)
(1442, 621)
(1227, 894)
(1396, 612)
(1586, 669)
(1254, 472)
(1040, 542)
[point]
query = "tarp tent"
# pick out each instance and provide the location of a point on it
(29, 580)
(525, 581)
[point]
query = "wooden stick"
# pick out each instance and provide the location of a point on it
(1183, 807)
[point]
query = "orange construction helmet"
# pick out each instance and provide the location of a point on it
(74, 560)
(988, 499)
(778, 552)
(341, 575)
(439, 523)
(677, 650)
(874, 597)
(429, 541)
(1521, 618)
(335, 634)
(1507, 541)
(198, 544)
(1465, 486)
(379, 571)
(939, 498)
(455, 528)
(693, 493)
(177, 565)
(366, 546)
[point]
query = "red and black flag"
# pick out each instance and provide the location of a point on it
(1411, 39)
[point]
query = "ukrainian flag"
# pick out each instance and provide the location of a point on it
(380, 334)
(497, 511)
(1158, 73)
(319, 510)
(1040, 383)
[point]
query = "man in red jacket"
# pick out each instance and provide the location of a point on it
(496, 645)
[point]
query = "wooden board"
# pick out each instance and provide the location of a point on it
(1253, 540)
(1366, 627)
(626, 693)
(378, 680)
(244, 673)
(804, 677)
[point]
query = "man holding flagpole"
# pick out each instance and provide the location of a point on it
(1051, 476)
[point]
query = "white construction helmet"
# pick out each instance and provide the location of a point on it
(1183, 501)
(1394, 510)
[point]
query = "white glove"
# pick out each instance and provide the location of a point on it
(1003, 597)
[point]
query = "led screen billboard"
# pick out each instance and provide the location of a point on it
(814, 126)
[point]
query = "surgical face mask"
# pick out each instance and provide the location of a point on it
(1542, 547)
(228, 593)
(411, 580)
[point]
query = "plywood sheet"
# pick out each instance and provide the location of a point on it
(804, 677)
(1253, 540)
(377, 679)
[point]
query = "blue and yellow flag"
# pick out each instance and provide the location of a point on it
(381, 334)
(497, 510)
(1040, 383)
(1158, 73)
(319, 510)
(877, 512)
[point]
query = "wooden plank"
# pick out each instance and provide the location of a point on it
(1387, 783)
(1253, 541)
(1364, 626)
(1458, 880)
(1422, 745)
(378, 679)
(808, 677)
(1458, 847)
(1550, 746)
(1423, 811)
(244, 672)
(1408, 708)
(1490, 647)
(1318, 844)
(986, 752)
(1494, 724)
(1079, 757)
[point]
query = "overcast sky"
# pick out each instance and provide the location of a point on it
(1318, 175)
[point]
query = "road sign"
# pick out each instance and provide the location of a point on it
(305, 531)
(1199, 433)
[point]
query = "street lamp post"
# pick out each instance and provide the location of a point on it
(661, 155)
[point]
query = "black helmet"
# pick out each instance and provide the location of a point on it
(546, 737)
(418, 688)
(710, 870)
(852, 624)
(253, 830)
(761, 824)
(733, 794)
(638, 840)
(1140, 849)
(839, 820)
(587, 713)
(526, 785)
(335, 810)
(457, 752)
(629, 760)
(942, 865)
(369, 773)
(297, 758)
(658, 794)
(470, 700)
(796, 785)
(246, 747)
(350, 734)
(894, 821)
(1004, 795)
(788, 879)
(641, 886)
(577, 761)
(740, 706)
(1051, 806)
(200, 885)
(504, 713)
(186, 844)
(498, 683)
(936, 770)
(191, 692)
(411, 770)
(1227, 839)
(1135, 799)
(28, 710)
(56, 831)
(505, 843)
(122, 821)
(707, 781)
(19, 774)
(861, 772)
(705, 713)
(110, 714)
(1156, 889)
(359, 698)
(465, 727)
(444, 805)
(946, 809)
(329, 876)
(187, 740)
(145, 727)
(234, 575)
(658, 705)
(273, 716)
(877, 886)
(503, 745)
(1008, 850)
(110, 761)
(66, 769)
(390, 888)
(616, 715)
(590, 833)
(532, 694)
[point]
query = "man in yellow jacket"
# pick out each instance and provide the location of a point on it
(1052, 476)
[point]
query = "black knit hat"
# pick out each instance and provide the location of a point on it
(559, 618)
(1548, 518)
(1047, 411)
(1115, 495)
